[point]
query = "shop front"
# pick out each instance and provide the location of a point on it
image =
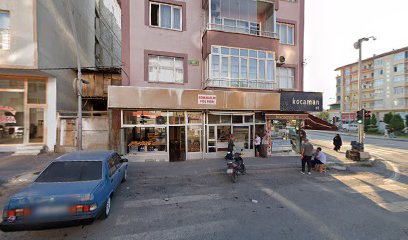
(178, 125)
(23, 109)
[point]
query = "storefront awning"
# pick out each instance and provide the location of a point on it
(128, 97)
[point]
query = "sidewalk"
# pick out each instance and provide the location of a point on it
(18, 165)
(355, 135)
(209, 166)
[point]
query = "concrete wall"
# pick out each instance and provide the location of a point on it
(23, 49)
(56, 44)
(293, 13)
(142, 37)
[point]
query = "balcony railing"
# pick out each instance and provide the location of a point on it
(244, 30)
(246, 84)
(4, 39)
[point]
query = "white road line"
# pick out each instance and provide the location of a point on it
(184, 232)
(173, 200)
(395, 206)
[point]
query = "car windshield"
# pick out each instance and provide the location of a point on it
(71, 171)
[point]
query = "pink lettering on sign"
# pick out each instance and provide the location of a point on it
(7, 119)
(207, 99)
(8, 109)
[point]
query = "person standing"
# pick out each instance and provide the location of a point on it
(337, 142)
(307, 153)
(257, 145)
(231, 144)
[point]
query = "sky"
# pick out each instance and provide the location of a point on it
(332, 27)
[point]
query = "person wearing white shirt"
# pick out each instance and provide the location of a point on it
(320, 157)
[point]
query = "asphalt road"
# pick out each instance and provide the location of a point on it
(155, 203)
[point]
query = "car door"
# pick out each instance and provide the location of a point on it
(113, 173)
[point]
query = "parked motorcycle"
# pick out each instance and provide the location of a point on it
(236, 167)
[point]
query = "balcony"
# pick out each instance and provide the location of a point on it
(241, 23)
(244, 84)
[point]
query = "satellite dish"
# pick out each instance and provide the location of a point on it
(282, 59)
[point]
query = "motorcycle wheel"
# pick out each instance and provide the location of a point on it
(234, 177)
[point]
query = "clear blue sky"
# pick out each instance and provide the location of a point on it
(331, 28)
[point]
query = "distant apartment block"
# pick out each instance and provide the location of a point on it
(384, 85)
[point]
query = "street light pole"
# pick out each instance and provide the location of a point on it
(358, 45)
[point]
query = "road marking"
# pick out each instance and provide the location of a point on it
(395, 206)
(184, 232)
(173, 200)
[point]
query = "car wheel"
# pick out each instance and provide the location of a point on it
(106, 209)
(124, 176)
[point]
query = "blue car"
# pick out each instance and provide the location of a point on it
(75, 188)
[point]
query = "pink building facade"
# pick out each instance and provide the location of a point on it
(195, 72)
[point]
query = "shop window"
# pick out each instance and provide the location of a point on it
(223, 135)
(146, 139)
(194, 138)
(259, 117)
(194, 117)
(213, 119)
(237, 119)
(144, 118)
(36, 125)
(176, 118)
(36, 92)
(225, 118)
(11, 117)
(249, 119)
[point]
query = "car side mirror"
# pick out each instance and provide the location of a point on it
(124, 160)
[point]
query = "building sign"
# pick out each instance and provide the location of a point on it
(193, 62)
(301, 101)
(207, 99)
(287, 116)
(348, 116)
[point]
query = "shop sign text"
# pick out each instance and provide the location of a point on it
(207, 99)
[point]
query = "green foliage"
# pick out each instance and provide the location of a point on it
(397, 123)
(324, 115)
(388, 118)
(406, 120)
(372, 130)
(373, 120)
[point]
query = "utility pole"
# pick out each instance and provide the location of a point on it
(358, 45)
(78, 81)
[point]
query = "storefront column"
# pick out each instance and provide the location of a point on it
(115, 121)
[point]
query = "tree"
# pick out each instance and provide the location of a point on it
(397, 123)
(388, 118)
(374, 120)
(324, 115)
(406, 120)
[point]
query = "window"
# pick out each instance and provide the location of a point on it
(399, 90)
(165, 16)
(72, 171)
(286, 33)
(286, 77)
(112, 167)
(399, 67)
(401, 102)
(399, 79)
(378, 103)
(379, 83)
(144, 118)
(378, 62)
(234, 67)
(399, 56)
(379, 93)
(347, 72)
(166, 69)
(4, 30)
(378, 72)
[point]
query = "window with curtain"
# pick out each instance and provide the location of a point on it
(286, 33)
(165, 16)
(286, 77)
(4, 30)
(166, 69)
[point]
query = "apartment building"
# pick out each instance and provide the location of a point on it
(384, 85)
(38, 65)
(198, 71)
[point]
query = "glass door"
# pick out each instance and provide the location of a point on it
(211, 139)
(36, 125)
(242, 137)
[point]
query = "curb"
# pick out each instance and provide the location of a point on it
(367, 136)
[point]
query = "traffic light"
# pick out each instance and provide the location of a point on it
(360, 115)
(367, 114)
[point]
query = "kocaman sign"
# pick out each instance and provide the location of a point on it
(301, 101)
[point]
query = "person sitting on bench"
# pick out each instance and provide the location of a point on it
(320, 158)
